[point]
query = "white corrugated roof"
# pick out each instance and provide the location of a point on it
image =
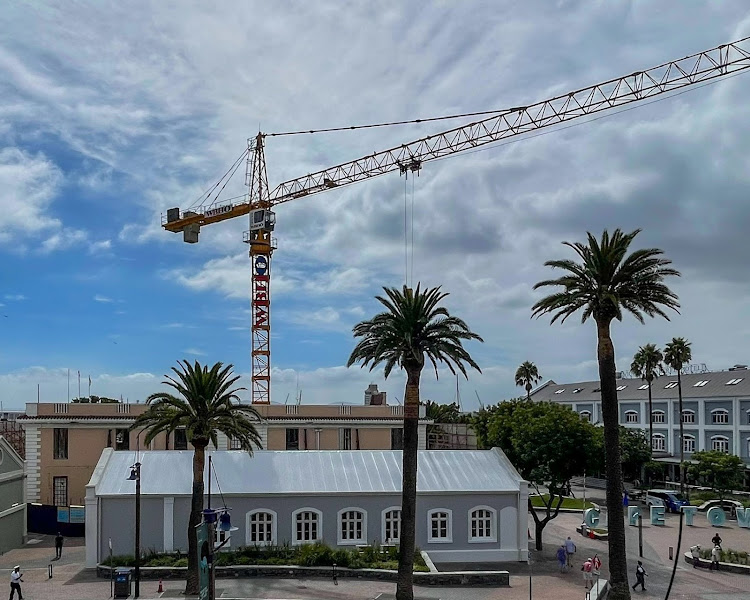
(169, 472)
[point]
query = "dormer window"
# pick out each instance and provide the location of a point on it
(560, 391)
(702, 383)
(577, 390)
(670, 385)
(621, 387)
(733, 381)
(643, 387)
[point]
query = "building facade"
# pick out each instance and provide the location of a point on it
(471, 505)
(715, 410)
(63, 441)
(12, 500)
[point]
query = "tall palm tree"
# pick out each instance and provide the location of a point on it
(205, 405)
(526, 376)
(647, 364)
(413, 329)
(677, 354)
(606, 281)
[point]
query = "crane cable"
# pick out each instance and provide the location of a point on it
(392, 123)
(201, 200)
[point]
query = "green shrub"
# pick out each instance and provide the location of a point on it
(160, 561)
(180, 562)
(314, 555)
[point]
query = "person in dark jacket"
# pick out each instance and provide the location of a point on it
(58, 545)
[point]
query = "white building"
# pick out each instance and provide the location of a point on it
(471, 505)
(715, 410)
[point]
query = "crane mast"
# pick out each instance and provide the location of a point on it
(702, 67)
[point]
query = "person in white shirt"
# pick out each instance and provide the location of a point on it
(15, 583)
(695, 551)
(715, 557)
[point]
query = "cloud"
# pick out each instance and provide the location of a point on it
(100, 298)
(14, 297)
(100, 247)
(195, 352)
(29, 182)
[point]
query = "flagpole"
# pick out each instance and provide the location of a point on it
(89, 386)
(79, 385)
(68, 386)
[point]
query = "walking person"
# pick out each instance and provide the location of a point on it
(570, 550)
(596, 564)
(58, 545)
(695, 552)
(715, 556)
(587, 569)
(562, 557)
(15, 582)
(640, 577)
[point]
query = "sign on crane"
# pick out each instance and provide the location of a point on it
(700, 68)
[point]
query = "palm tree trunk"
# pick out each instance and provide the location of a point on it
(650, 422)
(618, 566)
(405, 582)
(682, 443)
(528, 392)
(196, 510)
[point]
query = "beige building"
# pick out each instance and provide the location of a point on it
(65, 440)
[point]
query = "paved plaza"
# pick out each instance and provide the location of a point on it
(71, 581)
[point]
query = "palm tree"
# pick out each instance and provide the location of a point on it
(677, 354)
(526, 376)
(206, 404)
(606, 281)
(414, 328)
(647, 364)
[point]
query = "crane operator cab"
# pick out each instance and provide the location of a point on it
(262, 218)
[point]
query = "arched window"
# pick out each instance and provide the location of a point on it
(585, 415)
(352, 526)
(482, 524)
(631, 416)
(688, 443)
(720, 443)
(688, 416)
(392, 525)
(657, 416)
(659, 442)
(719, 416)
(440, 526)
(260, 529)
(307, 526)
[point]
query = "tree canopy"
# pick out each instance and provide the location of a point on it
(722, 472)
(548, 443)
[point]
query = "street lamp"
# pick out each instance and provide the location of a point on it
(135, 475)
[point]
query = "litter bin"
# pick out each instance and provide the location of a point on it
(122, 582)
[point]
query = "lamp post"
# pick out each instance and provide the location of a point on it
(135, 475)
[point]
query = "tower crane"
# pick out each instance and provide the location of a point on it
(260, 199)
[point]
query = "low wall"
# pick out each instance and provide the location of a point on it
(723, 566)
(473, 578)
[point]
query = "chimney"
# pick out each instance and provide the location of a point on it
(373, 397)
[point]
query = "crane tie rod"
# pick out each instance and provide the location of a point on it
(391, 123)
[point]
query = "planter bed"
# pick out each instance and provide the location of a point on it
(723, 566)
(496, 578)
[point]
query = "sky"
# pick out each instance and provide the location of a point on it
(111, 113)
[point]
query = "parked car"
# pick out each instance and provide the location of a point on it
(729, 506)
(669, 499)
